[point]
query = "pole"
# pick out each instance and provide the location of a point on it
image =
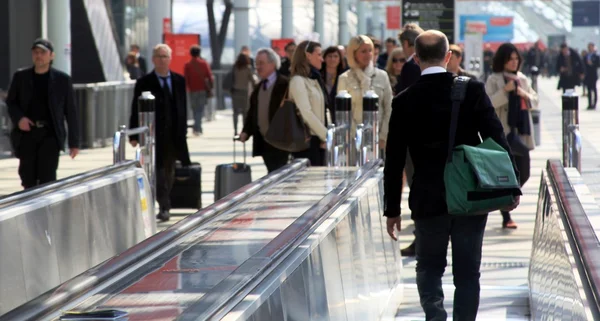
(242, 25)
(146, 109)
(58, 27)
(570, 119)
(344, 137)
(158, 10)
(343, 34)
(119, 144)
(361, 12)
(371, 125)
(287, 18)
(320, 18)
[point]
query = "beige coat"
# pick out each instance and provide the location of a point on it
(308, 97)
(357, 82)
(494, 87)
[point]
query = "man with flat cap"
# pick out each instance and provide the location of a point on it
(39, 101)
(425, 107)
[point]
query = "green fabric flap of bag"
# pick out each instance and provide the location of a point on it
(492, 165)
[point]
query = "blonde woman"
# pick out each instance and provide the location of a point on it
(364, 76)
(394, 66)
(307, 90)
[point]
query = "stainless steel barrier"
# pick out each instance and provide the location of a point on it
(564, 272)
(571, 136)
(51, 233)
(144, 153)
(343, 129)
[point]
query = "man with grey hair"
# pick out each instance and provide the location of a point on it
(264, 103)
(170, 123)
(427, 105)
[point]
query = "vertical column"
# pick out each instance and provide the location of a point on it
(361, 11)
(343, 35)
(58, 21)
(157, 11)
(287, 18)
(320, 18)
(242, 24)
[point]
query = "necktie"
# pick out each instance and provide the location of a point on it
(165, 87)
(264, 86)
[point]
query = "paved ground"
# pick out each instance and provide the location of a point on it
(505, 263)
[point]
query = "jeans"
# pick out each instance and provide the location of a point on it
(198, 103)
(432, 236)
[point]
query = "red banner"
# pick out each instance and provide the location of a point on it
(167, 25)
(394, 17)
(279, 45)
(180, 44)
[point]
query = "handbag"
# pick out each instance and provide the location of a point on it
(287, 130)
(478, 179)
(516, 144)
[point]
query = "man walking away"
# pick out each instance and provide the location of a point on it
(39, 100)
(413, 110)
(592, 63)
(199, 82)
(171, 123)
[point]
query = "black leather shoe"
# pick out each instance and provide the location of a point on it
(163, 216)
(410, 251)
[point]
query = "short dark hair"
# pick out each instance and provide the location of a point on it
(563, 45)
(502, 56)
(135, 46)
(456, 50)
(195, 51)
(431, 52)
(390, 40)
(409, 33)
(289, 44)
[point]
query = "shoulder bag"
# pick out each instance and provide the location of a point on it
(478, 179)
(207, 82)
(287, 130)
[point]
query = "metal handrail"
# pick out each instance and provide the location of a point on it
(64, 296)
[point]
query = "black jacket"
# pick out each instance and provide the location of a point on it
(150, 83)
(421, 121)
(411, 72)
(567, 81)
(251, 124)
(61, 103)
(591, 69)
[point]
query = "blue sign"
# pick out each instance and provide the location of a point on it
(586, 13)
(494, 28)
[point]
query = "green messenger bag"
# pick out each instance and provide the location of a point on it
(478, 179)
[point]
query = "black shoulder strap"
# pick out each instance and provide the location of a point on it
(459, 91)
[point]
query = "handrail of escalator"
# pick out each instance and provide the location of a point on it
(226, 295)
(55, 299)
(37, 191)
(580, 233)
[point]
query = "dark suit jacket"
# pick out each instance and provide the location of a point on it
(259, 146)
(421, 121)
(570, 81)
(150, 83)
(411, 72)
(143, 65)
(591, 70)
(61, 103)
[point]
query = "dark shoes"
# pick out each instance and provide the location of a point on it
(410, 251)
(163, 216)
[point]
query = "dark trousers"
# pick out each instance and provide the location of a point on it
(592, 95)
(432, 237)
(274, 158)
(38, 155)
(524, 166)
(314, 153)
(165, 176)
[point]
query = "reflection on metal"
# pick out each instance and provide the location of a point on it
(343, 132)
(564, 270)
(370, 150)
(54, 232)
(570, 126)
(360, 148)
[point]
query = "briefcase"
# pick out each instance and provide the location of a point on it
(230, 177)
(187, 187)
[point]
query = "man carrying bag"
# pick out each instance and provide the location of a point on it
(421, 121)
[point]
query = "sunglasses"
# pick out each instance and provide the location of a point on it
(394, 60)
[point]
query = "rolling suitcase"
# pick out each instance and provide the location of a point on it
(187, 187)
(230, 177)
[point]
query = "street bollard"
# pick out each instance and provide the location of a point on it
(371, 125)
(534, 77)
(119, 141)
(146, 110)
(571, 138)
(536, 115)
(344, 138)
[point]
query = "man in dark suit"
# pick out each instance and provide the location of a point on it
(415, 110)
(571, 68)
(409, 75)
(171, 123)
(264, 103)
(592, 63)
(39, 100)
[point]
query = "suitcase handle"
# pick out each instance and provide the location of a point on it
(237, 138)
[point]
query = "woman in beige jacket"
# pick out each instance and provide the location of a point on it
(307, 90)
(513, 98)
(363, 76)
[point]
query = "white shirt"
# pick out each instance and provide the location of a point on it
(433, 70)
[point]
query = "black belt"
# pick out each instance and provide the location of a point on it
(40, 124)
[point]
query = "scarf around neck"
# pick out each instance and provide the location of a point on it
(518, 109)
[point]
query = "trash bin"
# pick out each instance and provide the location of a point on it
(537, 130)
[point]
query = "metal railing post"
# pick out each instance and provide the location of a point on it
(146, 109)
(331, 149)
(360, 148)
(119, 142)
(371, 126)
(570, 130)
(343, 131)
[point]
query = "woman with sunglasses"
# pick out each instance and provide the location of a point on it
(394, 66)
(362, 77)
(307, 91)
